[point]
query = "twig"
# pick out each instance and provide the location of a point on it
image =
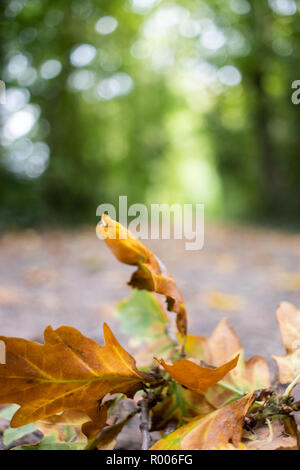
(145, 423)
(291, 386)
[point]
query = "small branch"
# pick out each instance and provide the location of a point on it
(291, 386)
(145, 423)
(271, 433)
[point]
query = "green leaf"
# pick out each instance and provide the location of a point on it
(13, 434)
(142, 316)
(59, 438)
(50, 443)
(9, 411)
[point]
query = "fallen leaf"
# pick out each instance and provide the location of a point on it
(274, 436)
(247, 376)
(58, 439)
(288, 317)
(37, 276)
(150, 274)
(13, 434)
(10, 296)
(69, 371)
(216, 430)
(195, 377)
(222, 301)
(288, 281)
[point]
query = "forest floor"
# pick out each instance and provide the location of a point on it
(71, 278)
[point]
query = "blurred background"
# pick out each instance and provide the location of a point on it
(165, 102)
(184, 101)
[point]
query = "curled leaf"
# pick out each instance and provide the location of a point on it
(150, 274)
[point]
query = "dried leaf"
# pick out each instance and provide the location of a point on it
(214, 431)
(222, 301)
(274, 436)
(70, 371)
(288, 317)
(58, 439)
(247, 376)
(150, 274)
(195, 377)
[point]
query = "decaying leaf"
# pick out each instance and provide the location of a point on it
(195, 377)
(247, 376)
(222, 301)
(69, 371)
(275, 435)
(288, 317)
(150, 274)
(58, 437)
(215, 430)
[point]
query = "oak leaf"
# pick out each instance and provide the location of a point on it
(195, 377)
(215, 430)
(288, 317)
(69, 371)
(144, 319)
(247, 376)
(151, 274)
(277, 435)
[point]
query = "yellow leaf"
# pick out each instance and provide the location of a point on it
(69, 371)
(247, 376)
(150, 274)
(195, 377)
(222, 301)
(215, 430)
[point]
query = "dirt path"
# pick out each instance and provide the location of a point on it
(71, 278)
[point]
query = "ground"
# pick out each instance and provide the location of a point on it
(71, 278)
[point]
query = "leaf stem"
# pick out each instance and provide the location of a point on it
(231, 388)
(291, 386)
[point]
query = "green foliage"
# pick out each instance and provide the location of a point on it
(151, 325)
(180, 133)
